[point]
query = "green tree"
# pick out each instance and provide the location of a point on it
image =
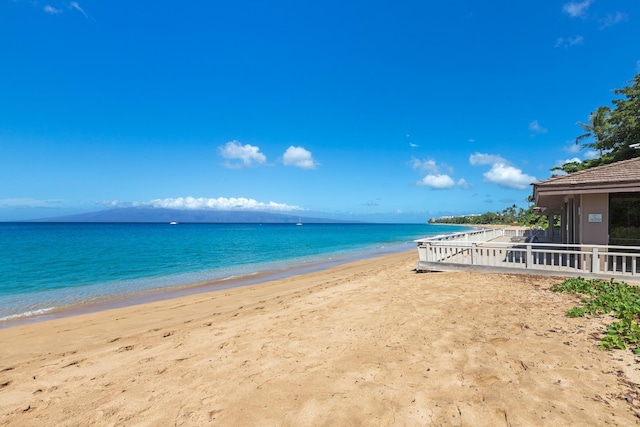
(527, 217)
(598, 128)
(570, 167)
(508, 215)
(615, 131)
(625, 122)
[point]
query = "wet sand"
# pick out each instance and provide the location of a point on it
(365, 343)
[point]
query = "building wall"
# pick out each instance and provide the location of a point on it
(594, 219)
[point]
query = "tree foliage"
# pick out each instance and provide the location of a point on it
(598, 129)
(509, 216)
(614, 132)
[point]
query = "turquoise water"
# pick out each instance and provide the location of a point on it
(53, 266)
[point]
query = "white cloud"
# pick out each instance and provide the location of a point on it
(434, 178)
(424, 165)
(485, 159)
(411, 144)
(437, 182)
(591, 154)
(572, 160)
(576, 9)
(248, 155)
(113, 203)
(508, 177)
(501, 172)
(29, 203)
(220, 203)
(569, 42)
(51, 10)
(572, 148)
(535, 127)
(299, 157)
(587, 155)
(613, 19)
(462, 183)
(76, 6)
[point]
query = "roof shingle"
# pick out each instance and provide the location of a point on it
(625, 171)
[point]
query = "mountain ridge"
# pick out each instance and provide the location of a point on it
(165, 215)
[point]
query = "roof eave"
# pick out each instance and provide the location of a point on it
(609, 187)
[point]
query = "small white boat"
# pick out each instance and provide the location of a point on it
(299, 222)
(173, 223)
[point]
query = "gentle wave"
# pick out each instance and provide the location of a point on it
(30, 313)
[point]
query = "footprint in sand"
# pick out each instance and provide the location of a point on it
(485, 380)
(516, 328)
(213, 414)
(498, 341)
(74, 363)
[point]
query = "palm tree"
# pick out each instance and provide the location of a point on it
(509, 214)
(598, 128)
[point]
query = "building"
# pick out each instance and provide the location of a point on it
(598, 212)
(596, 206)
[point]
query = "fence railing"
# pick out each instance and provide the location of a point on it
(528, 256)
(486, 234)
(480, 235)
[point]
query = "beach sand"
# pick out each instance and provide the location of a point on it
(365, 343)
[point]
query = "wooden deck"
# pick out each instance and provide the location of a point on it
(520, 251)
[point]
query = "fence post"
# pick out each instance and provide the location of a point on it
(473, 253)
(595, 261)
(529, 262)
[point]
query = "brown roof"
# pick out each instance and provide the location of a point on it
(623, 172)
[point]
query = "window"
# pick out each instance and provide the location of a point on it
(624, 217)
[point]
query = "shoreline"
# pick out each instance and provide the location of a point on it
(272, 271)
(370, 342)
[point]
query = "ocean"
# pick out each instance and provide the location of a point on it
(49, 268)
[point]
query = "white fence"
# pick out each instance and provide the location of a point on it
(469, 236)
(457, 252)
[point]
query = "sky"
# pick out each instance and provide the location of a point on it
(382, 111)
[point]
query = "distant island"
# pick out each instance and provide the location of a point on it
(162, 215)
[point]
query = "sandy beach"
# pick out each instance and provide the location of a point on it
(365, 343)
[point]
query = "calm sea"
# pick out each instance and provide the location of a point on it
(47, 267)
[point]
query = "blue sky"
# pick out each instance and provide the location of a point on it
(370, 110)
